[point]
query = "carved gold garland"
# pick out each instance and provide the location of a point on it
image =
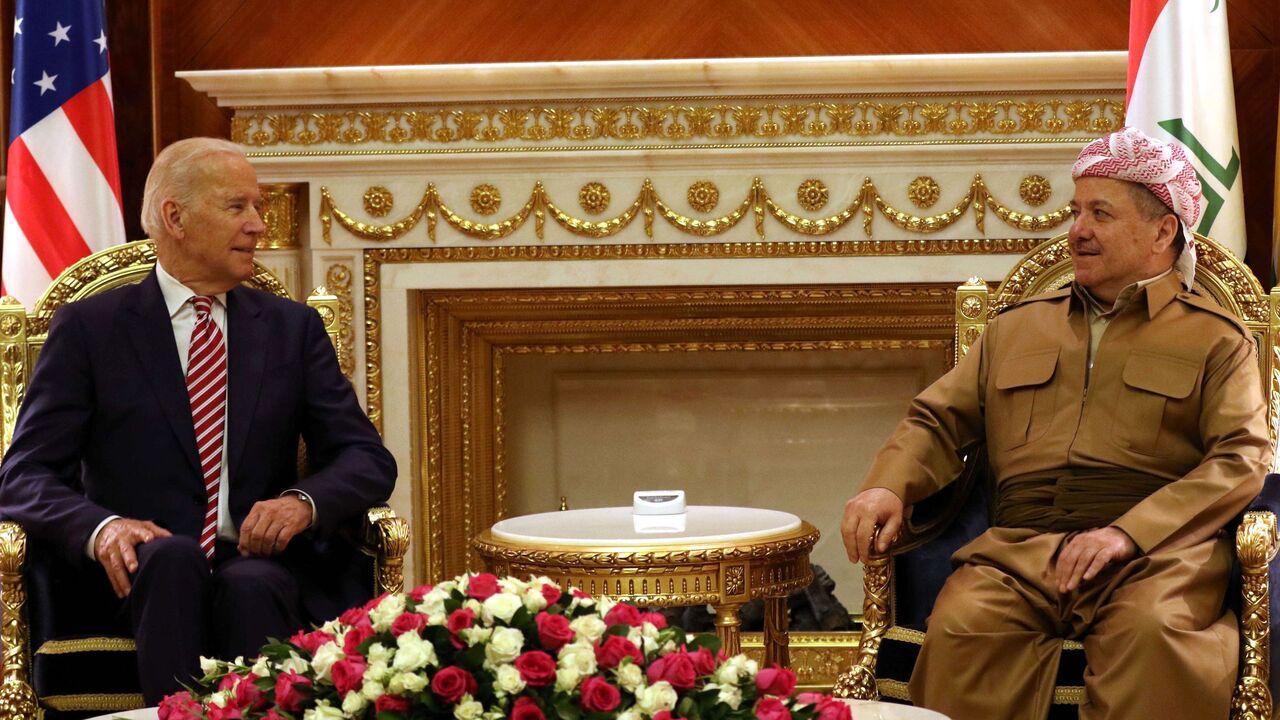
(647, 204)
(688, 120)
(1256, 546)
(338, 279)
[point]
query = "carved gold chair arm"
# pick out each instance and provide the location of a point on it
(859, 681)
(1256, 546)
(385, 536)
(17, 698)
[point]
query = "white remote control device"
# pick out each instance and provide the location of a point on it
(657, 502)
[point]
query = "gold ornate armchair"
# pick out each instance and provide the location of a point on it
(902, 585)
(383, 536)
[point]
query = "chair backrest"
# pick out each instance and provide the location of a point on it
(1219, 274)
(23, 332)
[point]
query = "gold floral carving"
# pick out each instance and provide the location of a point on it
(378, 201)
(649, 204)
(485, 199)
(386, 536)
(924, 191)
(703, 196)
(859, 682)
(1035, 190)
(280, 214)
(594, 198)
(17, 699)
(812, 195)
(338, 279)
(693, 121)
(1256, 546)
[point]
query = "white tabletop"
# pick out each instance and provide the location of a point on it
(868, 710)
(617, 526)
(143, 714)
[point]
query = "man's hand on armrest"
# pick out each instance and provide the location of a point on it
(271, 524)
(869, 509)
(1087, 554)
(114, 549)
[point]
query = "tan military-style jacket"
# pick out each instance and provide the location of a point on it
(1174, 393)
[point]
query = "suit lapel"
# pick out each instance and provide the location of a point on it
(151, 332)
(246, 359)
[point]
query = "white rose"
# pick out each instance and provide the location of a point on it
(533, 600)
(413, 653)
(504, 646)
(295, 663)
(581, 601)
(475, 635)
(468, 709)
(387, 611)
(590, 627)
(515, 586)
(372, 689)
(731, 671)
(433, 604)
(220, 698)
(604, 605)
(473, 605)
(631, 714)
(261, 667)
(379, 653)
(730, 695)
(324, 711)
(649, 630)
(353, 703)
(630, 676)
(376, 672)
(508, 679)
(656, 698)
(406, 683)
(326, 655)
(567, 679)
(580, 656)
(208, 665)
(501, 606)
(333, 627)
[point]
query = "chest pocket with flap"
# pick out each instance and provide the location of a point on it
(1026, 398)
(1154, 386)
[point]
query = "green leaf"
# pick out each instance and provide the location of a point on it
(705, 640)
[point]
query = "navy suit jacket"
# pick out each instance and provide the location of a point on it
(105, 429)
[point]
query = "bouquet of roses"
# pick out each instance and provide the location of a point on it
(483, 648)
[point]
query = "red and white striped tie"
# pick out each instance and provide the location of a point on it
(207, 386)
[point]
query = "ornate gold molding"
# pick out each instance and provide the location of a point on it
(1256, 546)
(280, 215)
(466, 339)
(859, 681)
(338, 279)
(17, 699)
(689, 121)
(648, 203)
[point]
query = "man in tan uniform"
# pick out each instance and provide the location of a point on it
(1125, 425)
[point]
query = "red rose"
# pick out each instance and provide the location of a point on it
(374, 602)
(482, 586)
(248, 696)
(459, 619)
(598, 695)
(551, 593)
(451, 683)
(536, 668)
(179, 706)
(420, 592)
(703, 661)
(356, 635)
(312, 640)
(623, 614)
(348, 674)
(391, 703)
(408, 622)
(832, 709)
(774, 680)
(657, 619)
(613, 649)
(289, 695)
(663, 715)
(581, 595)
(354, 616)
(272, 715)
(229, 712)
(771, 708)
(526, 708)
(676, 669)
(553, 631)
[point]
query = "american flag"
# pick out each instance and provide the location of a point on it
(63, 194)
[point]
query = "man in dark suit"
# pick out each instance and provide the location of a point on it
(159, 436)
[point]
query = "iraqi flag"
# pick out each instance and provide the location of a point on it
(63, 194)
(1180, 90)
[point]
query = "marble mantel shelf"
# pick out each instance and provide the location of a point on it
(649, 78)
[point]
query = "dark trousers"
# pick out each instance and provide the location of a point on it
(179, 609)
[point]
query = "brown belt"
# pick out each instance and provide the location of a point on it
(1071, 500)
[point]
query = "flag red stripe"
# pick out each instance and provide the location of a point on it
(1142, 17)
(40, 214)
(91, 115)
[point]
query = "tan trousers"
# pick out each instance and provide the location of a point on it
(1155, 638)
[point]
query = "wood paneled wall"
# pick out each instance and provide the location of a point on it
(213, 34)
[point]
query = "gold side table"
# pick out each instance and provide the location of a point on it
(720, 556)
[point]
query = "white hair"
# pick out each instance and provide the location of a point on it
(173, 175)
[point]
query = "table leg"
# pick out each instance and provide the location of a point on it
(777, 641)
(727, 624)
